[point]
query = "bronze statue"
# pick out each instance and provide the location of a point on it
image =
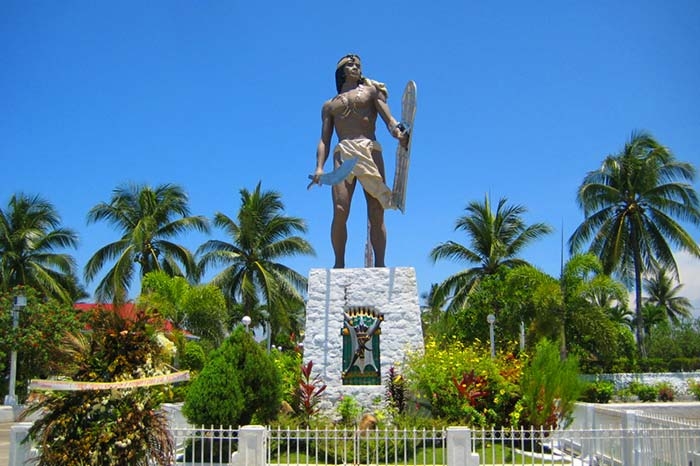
(353, 115)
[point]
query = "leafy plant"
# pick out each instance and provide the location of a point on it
(396, 390)
(642, 391)
(310, 390)
(550, 387)
(665, 391)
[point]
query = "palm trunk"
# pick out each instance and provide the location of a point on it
(638, 295)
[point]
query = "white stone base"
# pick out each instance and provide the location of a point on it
(393, 292)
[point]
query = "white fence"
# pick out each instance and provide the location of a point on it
(630, 439)
(350, 446)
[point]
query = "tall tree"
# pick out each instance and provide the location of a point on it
(495, 241)
(662, 293)
(260, 235)
(632, 205)
(148, 218)
(30, 235)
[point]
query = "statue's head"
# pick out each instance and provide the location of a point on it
(340, 69)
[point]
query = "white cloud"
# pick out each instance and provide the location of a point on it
(689, 269)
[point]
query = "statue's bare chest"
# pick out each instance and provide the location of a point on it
(352, 104)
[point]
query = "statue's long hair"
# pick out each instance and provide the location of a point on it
(340, 77)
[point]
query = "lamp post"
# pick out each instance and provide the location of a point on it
(246, 321)
(18, 304)
(491, 319)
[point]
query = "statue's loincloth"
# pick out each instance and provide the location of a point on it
(365, 169)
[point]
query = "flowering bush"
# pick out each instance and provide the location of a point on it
(105, 427)
(464, 384)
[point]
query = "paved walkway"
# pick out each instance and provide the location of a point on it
(5, 443)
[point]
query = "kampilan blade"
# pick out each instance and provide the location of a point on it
(339, 174)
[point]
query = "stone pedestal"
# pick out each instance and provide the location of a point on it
(390, 291)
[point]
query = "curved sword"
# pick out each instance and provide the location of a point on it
(337, 175)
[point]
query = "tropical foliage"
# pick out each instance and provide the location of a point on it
(463, 384)
(197, 309)
(662, 294)
(253, 279)
(496, 239)
(148, 219)
(42, 324)
(632, 206)
(105, 427)
(30, 236)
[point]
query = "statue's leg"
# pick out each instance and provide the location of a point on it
(377, 229)
(375, 215)
(342, 197)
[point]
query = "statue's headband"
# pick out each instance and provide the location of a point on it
(347, 59)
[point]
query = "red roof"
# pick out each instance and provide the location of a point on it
(126, 310)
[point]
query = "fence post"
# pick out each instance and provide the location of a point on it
(693, 458)
(590, 446)
(630, 450)
(251, 447)
(20, 453)
(459, 446)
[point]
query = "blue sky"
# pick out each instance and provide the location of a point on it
(516, 99)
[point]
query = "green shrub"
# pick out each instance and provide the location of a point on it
(288, 364)
(349, 410)
(694, 388)
(238, 383)
(653, 365)
(194, 357)
(642, 391)
(684, 364)
(600, 391)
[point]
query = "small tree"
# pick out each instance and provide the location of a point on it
(42, 325)
(550, 387)
(239, 382)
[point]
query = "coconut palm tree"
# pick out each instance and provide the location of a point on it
(260, 235)
(30, 235)
(148, 218)
(663, 294)
(632, 205)
(495, 240)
